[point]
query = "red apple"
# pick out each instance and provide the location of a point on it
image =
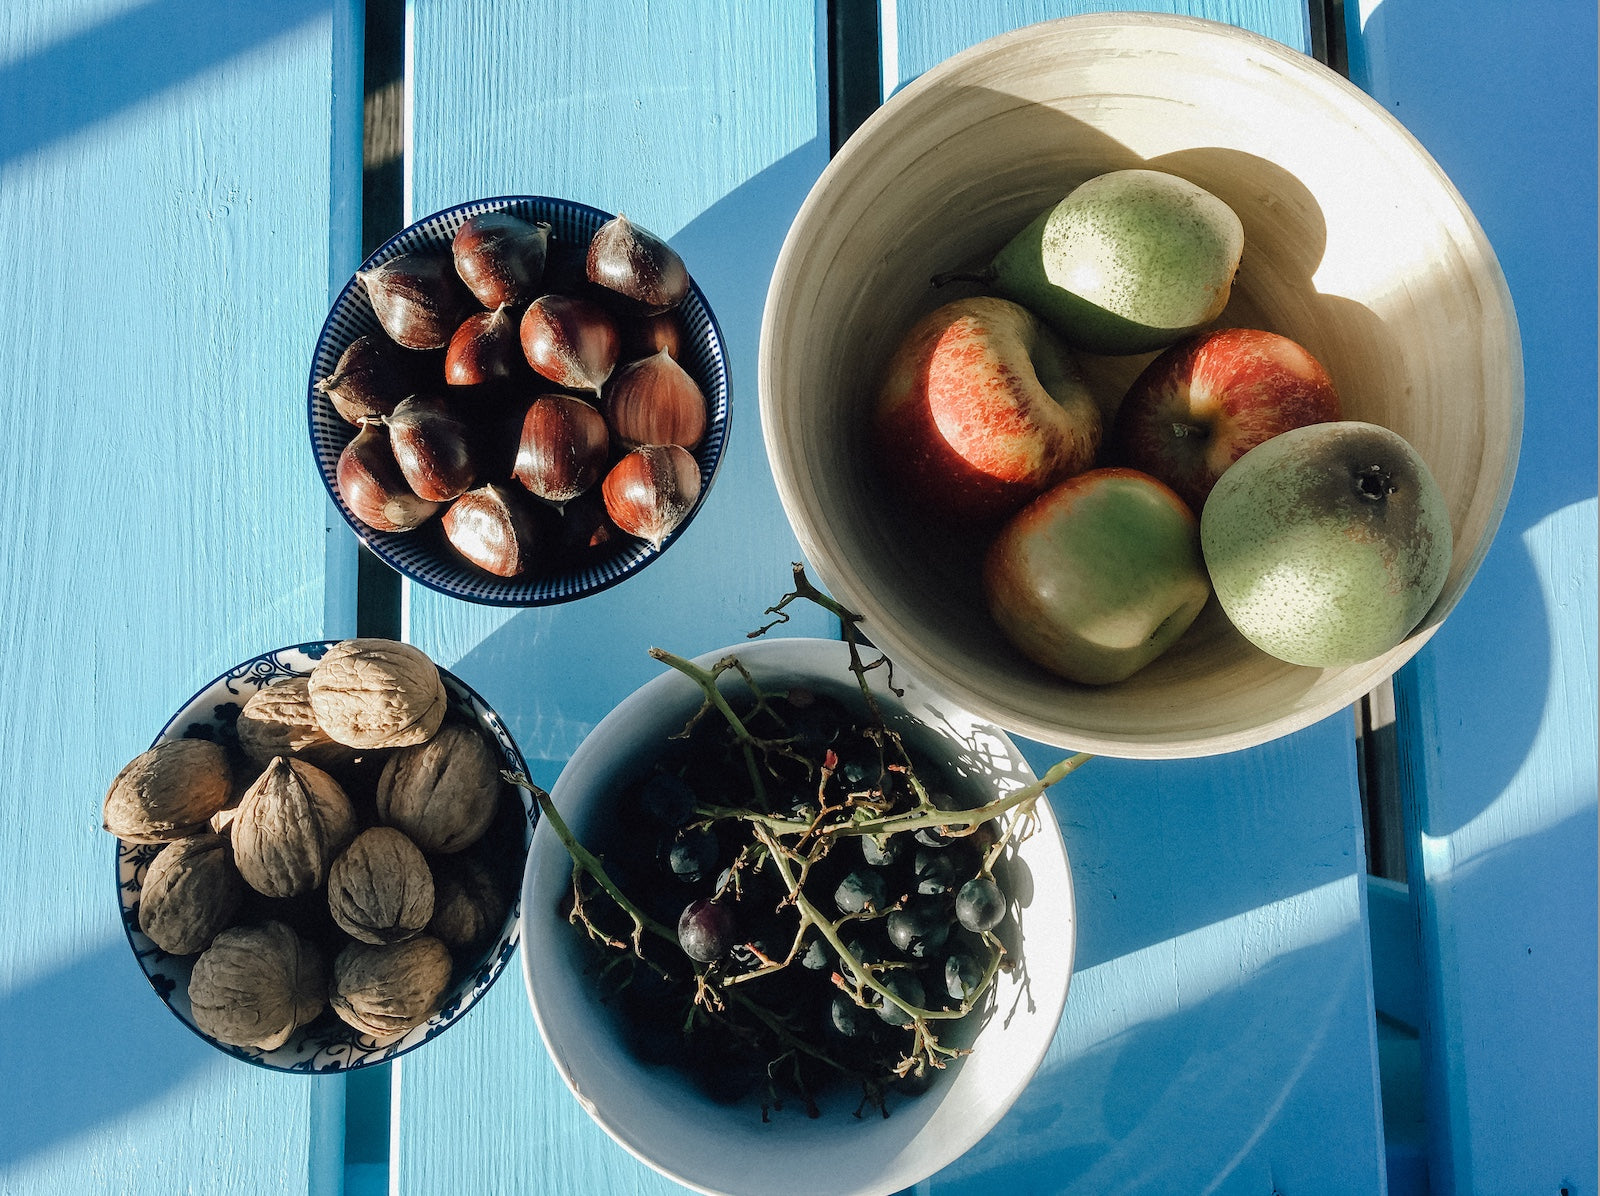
(1211, 398)
(1097, 576)
(982, 409)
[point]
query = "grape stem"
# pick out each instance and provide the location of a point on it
(590, 863)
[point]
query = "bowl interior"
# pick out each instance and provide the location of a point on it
(325, 1044)
(424, 555)
(658, 1116)
(1356, 245)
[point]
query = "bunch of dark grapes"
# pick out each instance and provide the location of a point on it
(776, 925)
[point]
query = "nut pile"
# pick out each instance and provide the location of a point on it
(347, 852)
(524, 396)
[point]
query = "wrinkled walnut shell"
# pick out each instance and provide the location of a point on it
(385, 991)
(168, 792)
(372, 693)
(277, 720)
(256, 985)
(380, 889)
(469, 908)
(290, 826)
(191, 892)
(442, 793)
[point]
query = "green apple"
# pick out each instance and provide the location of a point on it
(1097, 576)
(1328, 543)
(1129, 261)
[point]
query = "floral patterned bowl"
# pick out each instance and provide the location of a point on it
(327, 1044)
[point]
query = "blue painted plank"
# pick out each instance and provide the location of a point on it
(1501, 705)
(703, 122)
(167, 181)
(1220, 1033)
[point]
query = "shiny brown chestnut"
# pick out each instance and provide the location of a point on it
(571, 341)
(496, 528)
(563, 448)
(643, 336)
(655, 401)
(649, 492)
(501, 257)
(432, 447)
(635, 263)
(483, 349)
(417, 297)
(372, 486)
(369, 379)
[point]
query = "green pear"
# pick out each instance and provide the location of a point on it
(1128, 262)
(1328, 543)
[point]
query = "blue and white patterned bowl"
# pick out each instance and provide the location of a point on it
(326, 1044)
(424, 555)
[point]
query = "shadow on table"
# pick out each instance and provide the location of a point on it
(78, 1052)
(94, 73)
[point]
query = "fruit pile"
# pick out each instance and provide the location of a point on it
(525, 392)
(788, 895)
(1225, 467)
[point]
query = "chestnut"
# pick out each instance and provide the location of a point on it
(650, 491)
(501, 257)
(483, 349)
(645, 335)
(432, 448)
(372, 486)
(563, 448)
(571, 341)
(496, 528)
(417, 297)
(637, 264)
(655, 401)
(369, 379)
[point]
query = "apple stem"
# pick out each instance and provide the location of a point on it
(1375, 483)
(1183, 431)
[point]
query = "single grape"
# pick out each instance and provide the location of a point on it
(933, 836)
(880, 853)
(908, 988)
(816, 957)
(860, 762)
(934, 870)
(848, 1019)
(919, 929)
(706, 929)
(668, 799)
(962, 975)
(980, 905)
(861, 890)
(692, 854)
(815, 720)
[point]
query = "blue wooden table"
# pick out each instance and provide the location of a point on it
(181, 185)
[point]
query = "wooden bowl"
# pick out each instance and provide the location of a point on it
(1356, 245)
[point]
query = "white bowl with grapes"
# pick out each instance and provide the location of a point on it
(818, 942)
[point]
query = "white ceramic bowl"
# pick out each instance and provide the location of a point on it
(654, 1112)
(1356, 245)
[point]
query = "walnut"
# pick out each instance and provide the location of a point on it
(291, 824)
(371, 693)
(191, 891)
(385, 991)
(380, 889)
(277, 720)
(256, 985)
(442, 793)
(168, 792)
(469, 907)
